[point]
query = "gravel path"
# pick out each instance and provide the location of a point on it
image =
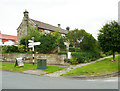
(58, 73)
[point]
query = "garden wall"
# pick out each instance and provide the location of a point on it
(27, 58)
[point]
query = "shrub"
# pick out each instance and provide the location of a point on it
(22, 48)
(73, 61)
(83, 57)
(9, 49)
(77, 50)
(71, 49)
(62, 52)
(67, 60)
(109, 53)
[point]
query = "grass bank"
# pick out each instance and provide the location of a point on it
(102, 67)
(10, 67)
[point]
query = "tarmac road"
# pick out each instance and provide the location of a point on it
(14, 80)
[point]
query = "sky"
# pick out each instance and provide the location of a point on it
(90, 15)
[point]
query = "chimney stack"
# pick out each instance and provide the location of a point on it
(26, 14)
(58, 25)
(68, 28)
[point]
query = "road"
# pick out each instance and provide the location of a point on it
(14, 80)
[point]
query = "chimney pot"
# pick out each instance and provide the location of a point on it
(68, 28)
(26, 13)
(59, 25)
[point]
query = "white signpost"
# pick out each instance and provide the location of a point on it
(31, 45)
(68, 53)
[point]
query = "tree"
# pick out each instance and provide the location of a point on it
(83, 42)
(88, 43)
(109, 37)
(74, 36)
(49, 42)
(33, 32)
(58, 38)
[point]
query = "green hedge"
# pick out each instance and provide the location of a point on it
(9, 49)
(83, 57)
(62, 52)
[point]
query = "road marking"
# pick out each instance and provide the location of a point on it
(106, 80)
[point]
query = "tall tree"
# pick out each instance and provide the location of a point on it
(88, 43)
(74, 36)
(109, 37)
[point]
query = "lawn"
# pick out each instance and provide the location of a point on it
(102, 67)
(10, 67)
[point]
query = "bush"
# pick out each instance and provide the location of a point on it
(73, 61)
(83, 57)
(77, 50)
(9, 49)
(67, 60)
(22, 48)
(62, 52)
(108, 53)
(102, 54)
(71, 49)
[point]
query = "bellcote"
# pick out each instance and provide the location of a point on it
(26, 14)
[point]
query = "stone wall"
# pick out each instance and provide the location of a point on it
(27, 58)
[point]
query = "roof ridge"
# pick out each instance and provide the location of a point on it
(46, 23)
(48, 26)
(8, 35)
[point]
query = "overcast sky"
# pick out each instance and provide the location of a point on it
(90, 15)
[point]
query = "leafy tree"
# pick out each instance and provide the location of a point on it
(58, 37)
(109, 37)
(24, 40)
(49, 42)
(74, 36)
(88, 42)
(33, 32)
(59, 40)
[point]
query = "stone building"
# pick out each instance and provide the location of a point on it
(22, 30)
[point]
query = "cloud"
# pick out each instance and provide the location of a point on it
(82, 14)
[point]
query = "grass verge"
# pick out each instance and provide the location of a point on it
(102, 67)
(10, 67)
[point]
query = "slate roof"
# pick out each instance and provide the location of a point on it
(46, 26)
